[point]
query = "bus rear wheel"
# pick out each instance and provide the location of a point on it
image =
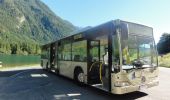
(79, 76)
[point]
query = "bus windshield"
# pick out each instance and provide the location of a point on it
(138, 52)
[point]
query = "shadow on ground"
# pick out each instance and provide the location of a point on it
(10, 73)
(37, 84)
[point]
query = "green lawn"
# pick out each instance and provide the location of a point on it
(18, 60)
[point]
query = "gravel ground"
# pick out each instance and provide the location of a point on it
(36, 84)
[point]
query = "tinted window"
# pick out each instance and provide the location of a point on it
(64, 51)
(79, 51)
(45, 53)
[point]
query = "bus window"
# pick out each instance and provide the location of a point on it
(94, 51)
(115, 54)
(79, 51)
(45, 53)
(64, 51)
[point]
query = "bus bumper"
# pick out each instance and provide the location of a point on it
(131, 88)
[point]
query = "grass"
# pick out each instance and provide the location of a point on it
(18, 61)
(164, 60)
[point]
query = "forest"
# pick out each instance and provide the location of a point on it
(25, 25)
(163, 45)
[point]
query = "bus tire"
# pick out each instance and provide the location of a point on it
(79, 76)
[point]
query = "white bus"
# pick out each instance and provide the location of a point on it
(118, 57)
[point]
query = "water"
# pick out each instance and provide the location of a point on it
(18, 60)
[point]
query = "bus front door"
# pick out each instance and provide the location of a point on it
(97, 67)
(93, 61)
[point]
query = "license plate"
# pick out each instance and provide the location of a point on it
(143, 87)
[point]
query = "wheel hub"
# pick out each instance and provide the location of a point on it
(81, 77)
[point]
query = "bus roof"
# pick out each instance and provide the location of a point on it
(89, 28)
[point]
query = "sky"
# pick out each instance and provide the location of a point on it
(82, 13)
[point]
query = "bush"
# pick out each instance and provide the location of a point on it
(164, 60)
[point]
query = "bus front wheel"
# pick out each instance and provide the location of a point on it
(79, 76)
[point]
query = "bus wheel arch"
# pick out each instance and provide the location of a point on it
(79, 75)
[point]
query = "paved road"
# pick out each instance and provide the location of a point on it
(36, 84)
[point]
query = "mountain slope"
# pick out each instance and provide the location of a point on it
(29, 22)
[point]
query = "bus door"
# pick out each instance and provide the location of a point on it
(52, 55)
(93, 61)
(56, 58)
(98, 71)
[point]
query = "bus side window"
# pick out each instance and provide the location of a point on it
(79, 51)
(67, 52)
(64, 51)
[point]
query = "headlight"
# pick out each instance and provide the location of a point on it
(121, 84)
